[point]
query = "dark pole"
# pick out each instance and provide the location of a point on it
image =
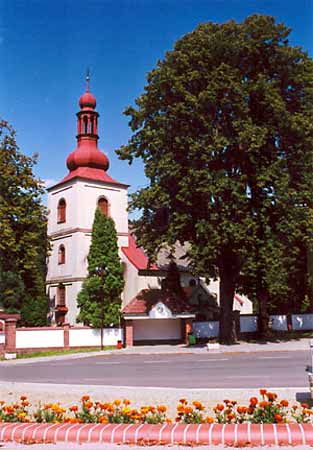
(101, 271)
(102, 314)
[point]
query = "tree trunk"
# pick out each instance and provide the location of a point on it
(227, 323)
(263, 319)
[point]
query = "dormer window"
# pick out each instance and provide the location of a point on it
(61, 255)
(103, 204)
(62, 211)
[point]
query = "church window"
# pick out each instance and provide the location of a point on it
(62, 211)
(61, 255)
(61, 295)
(85, 125)
(91, 126)
(103, 204)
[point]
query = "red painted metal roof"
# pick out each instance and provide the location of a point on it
(89, 173)
(238, 299)
(136, 255)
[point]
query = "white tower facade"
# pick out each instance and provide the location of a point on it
(72, 203)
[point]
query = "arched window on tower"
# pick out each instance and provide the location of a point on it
(103, 204)
(61, 255)
(62, 211)
(61, 301)
(85, 125)
(91, 125)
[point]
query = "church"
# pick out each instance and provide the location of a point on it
(149, 314)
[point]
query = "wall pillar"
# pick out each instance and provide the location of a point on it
(187, 330)
(10, 338)
(129, 333)
(66, 335)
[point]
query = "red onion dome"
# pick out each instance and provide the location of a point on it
(87, 100)
(87, 156)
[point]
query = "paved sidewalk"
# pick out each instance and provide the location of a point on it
(242, 347)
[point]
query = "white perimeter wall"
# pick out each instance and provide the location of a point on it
(89, 337)
(39, 338)
(206, 329)
(79, 337)
(248, 324)
(302, 321)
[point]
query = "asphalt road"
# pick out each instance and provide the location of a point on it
(271, 369)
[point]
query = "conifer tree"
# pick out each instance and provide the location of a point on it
(100, 298)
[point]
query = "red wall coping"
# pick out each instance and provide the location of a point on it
(40, 329)
(146, 434)
(4, 316)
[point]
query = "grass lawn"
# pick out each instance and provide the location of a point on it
(280, 336)
(62, 352)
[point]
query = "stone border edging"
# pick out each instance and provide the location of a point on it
(192, 434)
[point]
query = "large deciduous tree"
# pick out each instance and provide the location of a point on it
(224, 129)
(100, 298)
(23, 236)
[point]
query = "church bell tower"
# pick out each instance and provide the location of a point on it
(71, 204)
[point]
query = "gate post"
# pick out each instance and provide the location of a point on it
(10, 338)
(129, 333)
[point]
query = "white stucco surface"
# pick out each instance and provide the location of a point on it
(157, 329)
(39, 338)
(91, 337)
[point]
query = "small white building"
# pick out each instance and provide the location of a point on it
(71, 204)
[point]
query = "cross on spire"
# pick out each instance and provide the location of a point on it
(87, 79)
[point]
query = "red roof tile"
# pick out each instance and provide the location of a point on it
(147, 298)
(136, 255)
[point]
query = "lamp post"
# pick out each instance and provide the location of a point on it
(100, 271)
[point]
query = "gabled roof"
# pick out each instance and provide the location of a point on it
(147, 298)
(136, 255)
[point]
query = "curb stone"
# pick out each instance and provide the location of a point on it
(161, 434)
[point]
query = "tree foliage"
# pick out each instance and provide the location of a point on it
(224, 129)
(23, 237)
(101, 291)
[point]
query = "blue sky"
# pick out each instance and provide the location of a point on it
(46, 46)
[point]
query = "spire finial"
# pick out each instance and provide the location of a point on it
(87, 79)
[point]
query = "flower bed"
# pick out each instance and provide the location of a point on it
(266, 410)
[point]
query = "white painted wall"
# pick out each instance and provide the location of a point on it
(80, 337)
(91, 337)
(39, 338)
(156, 329)
(69, 192)
(206, 329)
(302, 322)
(160, 311)
(81, 198)
(2, 338)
